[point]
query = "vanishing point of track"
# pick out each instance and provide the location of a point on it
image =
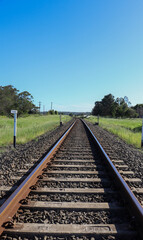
(75, 192)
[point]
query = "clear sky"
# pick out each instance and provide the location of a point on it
(72, 52)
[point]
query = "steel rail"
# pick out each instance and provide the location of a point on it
(136, 207)
(12, 204)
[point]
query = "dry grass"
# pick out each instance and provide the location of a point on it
(28, 128)
(126, 129)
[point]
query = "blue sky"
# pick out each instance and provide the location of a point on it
(72, 52)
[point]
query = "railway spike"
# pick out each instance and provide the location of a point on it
(8, 224)
(23, 201)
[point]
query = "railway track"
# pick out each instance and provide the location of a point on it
(71, 194)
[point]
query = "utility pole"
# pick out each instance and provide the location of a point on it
(51, 105)
(39, 106)
(43, 109)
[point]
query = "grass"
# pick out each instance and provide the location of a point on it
(28, 128)
(129, 130)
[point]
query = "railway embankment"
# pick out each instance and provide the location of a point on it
(13, 160)
(119, 149)
(71, 195)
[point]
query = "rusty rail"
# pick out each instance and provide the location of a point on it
(134, 205)
(11, 205)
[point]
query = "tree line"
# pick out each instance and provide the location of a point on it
(119, 107)
(11, 98)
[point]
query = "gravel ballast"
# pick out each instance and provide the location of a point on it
(120, 150)
(69, 217)
(74, 197)
(14, 160)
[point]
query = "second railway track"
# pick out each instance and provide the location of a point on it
(74, 198)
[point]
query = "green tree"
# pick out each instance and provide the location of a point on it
(122, 107)
(105, 107)
(139, 109)
(52, 112)
(56, 112)
(108, 106)
(25, 103)
(131, 113)
(97, 110)
(10, 98)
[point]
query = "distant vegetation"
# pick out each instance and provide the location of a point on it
(30, 123)
(28, 128)
(139, 109)
(119, 107)
(127, 129)
(10, 98)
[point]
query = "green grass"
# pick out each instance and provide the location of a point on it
(28, 128)
(127, 129)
